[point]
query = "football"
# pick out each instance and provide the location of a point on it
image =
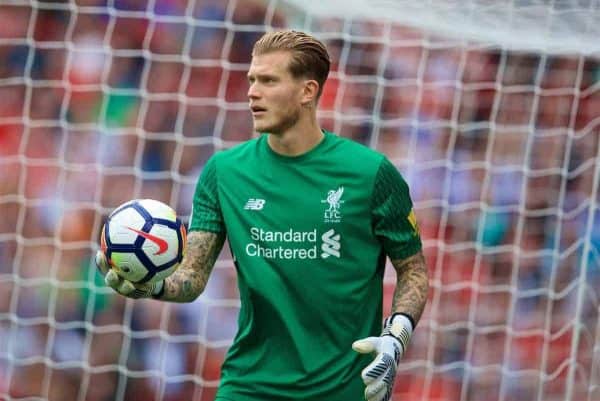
(143, 240)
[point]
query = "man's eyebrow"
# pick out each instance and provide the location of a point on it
(259, 75)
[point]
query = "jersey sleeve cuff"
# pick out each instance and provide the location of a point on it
(406, 251)
(213, 228)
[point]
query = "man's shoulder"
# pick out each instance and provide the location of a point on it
(355, 152)
(237, 152)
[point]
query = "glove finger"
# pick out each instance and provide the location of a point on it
(126, 287)
(112, 279)
(379, 393)
(101, 263)
(373, 389)
(366, 345)
(377, 369)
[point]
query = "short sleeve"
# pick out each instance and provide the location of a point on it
(206, 210)
(393, 218)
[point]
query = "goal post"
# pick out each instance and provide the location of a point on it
(490, 110)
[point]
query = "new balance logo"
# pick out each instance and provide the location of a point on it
(331, 244)
(254, 204)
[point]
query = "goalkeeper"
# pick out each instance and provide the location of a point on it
(310, 218)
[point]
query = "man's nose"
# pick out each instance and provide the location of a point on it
(253, 92)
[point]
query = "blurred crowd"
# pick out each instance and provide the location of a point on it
(103, 101)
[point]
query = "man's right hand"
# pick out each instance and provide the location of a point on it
(126, 287)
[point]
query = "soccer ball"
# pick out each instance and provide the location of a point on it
(143, 240)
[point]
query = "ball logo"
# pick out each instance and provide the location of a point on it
(161, 243)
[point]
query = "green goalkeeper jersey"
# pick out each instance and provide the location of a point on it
(309, 235)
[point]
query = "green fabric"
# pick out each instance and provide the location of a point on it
(310, 271)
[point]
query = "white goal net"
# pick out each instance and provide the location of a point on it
(490, 109)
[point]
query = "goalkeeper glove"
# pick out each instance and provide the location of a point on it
(379, 375)
(126, 287)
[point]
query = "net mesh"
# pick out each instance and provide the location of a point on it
(496, 132)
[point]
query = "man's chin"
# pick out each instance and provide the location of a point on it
(262, 128)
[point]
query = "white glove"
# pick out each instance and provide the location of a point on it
(379, 375)
(126, 287)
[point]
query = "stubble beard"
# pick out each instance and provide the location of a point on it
(288, 120)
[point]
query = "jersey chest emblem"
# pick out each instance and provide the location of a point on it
(332, 213)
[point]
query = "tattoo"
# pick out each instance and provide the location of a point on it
(412, 286)
(190, 278)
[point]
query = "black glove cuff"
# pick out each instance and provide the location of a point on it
(409, 317)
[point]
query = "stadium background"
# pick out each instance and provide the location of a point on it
(104, 101)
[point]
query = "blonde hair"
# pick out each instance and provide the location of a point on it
(310, 58)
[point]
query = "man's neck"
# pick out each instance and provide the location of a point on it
(297, 140)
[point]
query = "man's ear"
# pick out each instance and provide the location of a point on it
(310, 92)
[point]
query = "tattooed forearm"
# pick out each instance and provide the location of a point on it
(412, 285)
(189, 280)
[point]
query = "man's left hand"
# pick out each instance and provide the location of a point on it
(379, 375)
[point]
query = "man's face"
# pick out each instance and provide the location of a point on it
(275, 96)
